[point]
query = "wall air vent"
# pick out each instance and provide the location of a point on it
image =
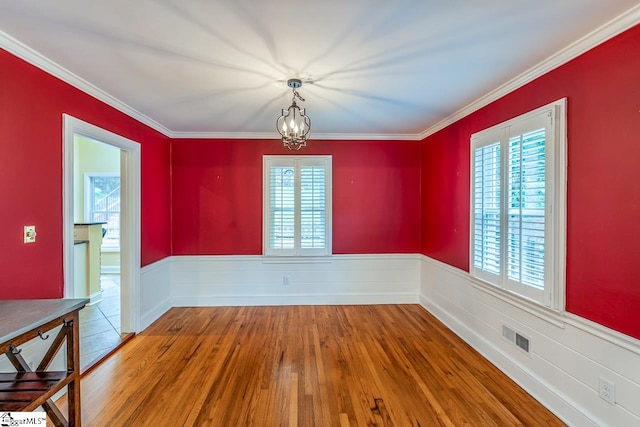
(516, 339)
(509, 334)
(522, 342)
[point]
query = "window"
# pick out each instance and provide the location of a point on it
(518, 205)
(297, 205)
(102, 202)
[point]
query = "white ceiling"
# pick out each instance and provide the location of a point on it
(372, 68)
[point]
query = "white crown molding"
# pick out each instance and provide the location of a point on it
(582, 45)
(577, 48)
(26, 53)
(314, 136)
(293, 260)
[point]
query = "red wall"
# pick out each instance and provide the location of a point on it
(31, 106)
(217, 195)
(603, 189)
(389, 196)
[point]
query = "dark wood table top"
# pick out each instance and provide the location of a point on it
(20, 316)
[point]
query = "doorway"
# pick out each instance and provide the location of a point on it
(114, 301)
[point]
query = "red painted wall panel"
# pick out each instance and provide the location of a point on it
(603, 193)
(217, 195)
(31, 106)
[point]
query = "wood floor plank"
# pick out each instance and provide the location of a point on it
(382, 365)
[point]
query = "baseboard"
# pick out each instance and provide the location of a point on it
(95, 297)
(150, 316)
(529, 381)
(110, 269)
(566, 359)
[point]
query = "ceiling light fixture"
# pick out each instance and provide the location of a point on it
(294, 125)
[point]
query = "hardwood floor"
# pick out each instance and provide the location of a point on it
(382, 365)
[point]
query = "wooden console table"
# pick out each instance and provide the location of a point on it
(27, 389)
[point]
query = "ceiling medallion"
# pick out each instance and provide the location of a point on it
(294, 125)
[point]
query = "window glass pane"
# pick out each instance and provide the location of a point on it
(105, 207)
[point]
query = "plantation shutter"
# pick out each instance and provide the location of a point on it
(526, 208)
(518, 191)
(297, 205)
(487, 209)
(510, 193)
(282, 180)
(312, 207)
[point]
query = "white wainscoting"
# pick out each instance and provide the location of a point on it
(155, 291)
(566, 359)
(253, 280)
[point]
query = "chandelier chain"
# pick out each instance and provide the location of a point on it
(297, 95)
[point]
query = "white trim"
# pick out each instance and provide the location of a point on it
(274, 259)
(312, 137)
(297, 164)
(247, 280)
(130, 214)
(596, 37)
(552, 317)
(110, 249)
(548, 315)
(35, 58)
(565, 363)
(155, 292)
(295, 299)
(298, 260)
(614, 337)
(109, 269)
(549, 396)
(96, 297)
(552, 117)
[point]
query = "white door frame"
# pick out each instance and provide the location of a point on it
(129, 215)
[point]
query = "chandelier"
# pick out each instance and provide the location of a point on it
(294, 125)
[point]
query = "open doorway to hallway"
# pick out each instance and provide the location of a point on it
(114, 308)
(97, 202)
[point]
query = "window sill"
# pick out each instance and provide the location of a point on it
(273, 259)
(550, 315)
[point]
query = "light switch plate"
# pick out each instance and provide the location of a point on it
(29, 233)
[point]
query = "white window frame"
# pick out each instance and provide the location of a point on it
(553, 295)
(296, 162)
(88, 208)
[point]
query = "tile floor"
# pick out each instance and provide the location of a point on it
(100, 323)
